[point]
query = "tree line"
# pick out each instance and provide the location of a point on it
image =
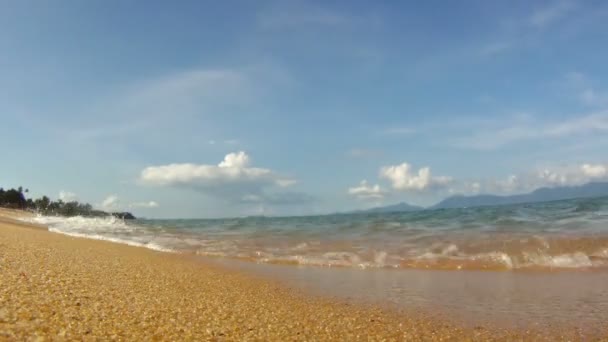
(16, 199)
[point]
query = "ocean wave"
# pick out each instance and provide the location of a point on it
(548, 236)
(109, 228)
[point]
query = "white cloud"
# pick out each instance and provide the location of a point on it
(594, 171)
(150, 204)
(567, 175)
(550, 14)
(235, 160)
(366, 191)
(549, 177)
(232, 179)
(67, 196)
(234, 169)
(403, 178)
(110, 203)
(513, 183)
(474, 187)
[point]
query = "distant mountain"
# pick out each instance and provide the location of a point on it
(391, 208)
(595, 189)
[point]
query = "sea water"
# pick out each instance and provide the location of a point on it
(571, 234)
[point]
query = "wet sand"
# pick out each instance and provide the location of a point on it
(62, 288)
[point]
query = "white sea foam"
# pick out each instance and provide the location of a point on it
(569, 260)
(362, 245)
(82, 224)
(109, 228)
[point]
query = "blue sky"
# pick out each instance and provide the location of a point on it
(209, 109)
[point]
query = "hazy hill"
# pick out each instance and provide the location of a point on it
(595, 189)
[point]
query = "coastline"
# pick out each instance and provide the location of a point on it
(60, 287)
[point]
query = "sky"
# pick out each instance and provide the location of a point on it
(201, 109)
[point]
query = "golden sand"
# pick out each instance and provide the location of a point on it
(54, 287)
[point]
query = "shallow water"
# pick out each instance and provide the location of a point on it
(570, 234)
(510, 300)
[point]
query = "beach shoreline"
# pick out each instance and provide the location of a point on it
(59, 287)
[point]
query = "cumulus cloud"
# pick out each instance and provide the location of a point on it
(366, 191)
(594, 171)
(404, 178)
(233, 179)
(67, 196)
(149, 204)
(571, 175)
(233, 170)
(549, 177)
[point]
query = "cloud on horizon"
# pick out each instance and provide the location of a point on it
(570, 175)
(403, 178)
(233, 179)
(365, 191)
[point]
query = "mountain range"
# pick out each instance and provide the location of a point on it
(392, 208)
(594, 189)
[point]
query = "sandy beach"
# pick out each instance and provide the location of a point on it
(55, 287)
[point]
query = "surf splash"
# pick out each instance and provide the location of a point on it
(569, 234)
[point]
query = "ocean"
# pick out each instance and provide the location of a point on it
(570, 234)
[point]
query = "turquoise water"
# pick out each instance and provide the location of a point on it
(561, 234)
